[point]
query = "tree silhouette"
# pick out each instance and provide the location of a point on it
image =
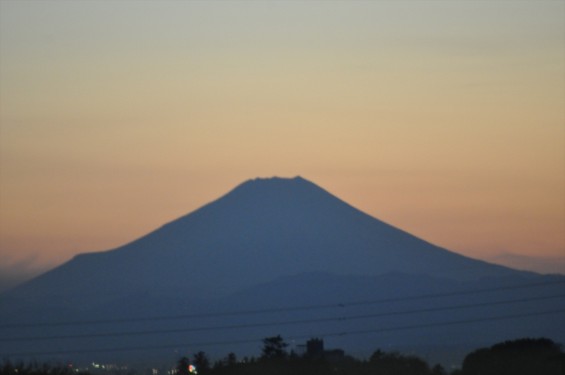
(201, 362)
(438, 370)
(517, 357)
(397, 364)
(182, 366)
(231, 360)
(274, 348)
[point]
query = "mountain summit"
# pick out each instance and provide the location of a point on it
(261, 230)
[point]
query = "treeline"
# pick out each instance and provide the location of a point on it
(276, 360)
(385, 364)
(518, 357)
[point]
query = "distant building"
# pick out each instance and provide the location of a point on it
(315, 350)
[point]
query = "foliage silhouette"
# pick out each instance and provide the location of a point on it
(201, 362)
(274, 348)
(182, 366)
(397, 364)
(518, 357)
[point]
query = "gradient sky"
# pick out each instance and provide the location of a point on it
(443, 118)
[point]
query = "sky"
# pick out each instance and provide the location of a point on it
(443, 118)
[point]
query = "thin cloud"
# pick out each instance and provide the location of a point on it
(18, 272)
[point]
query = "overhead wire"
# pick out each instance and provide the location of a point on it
(278, 323)
(298, 337)
(281, 309)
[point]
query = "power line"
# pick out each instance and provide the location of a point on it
(299, 337)
(282, 309)
(440, 324)
(276, 323)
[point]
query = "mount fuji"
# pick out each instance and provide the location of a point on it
(275, 256)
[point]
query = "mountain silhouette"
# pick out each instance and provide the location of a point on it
(261, 230)
(268, 242)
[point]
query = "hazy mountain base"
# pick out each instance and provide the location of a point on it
(437, 319)
(541, 264)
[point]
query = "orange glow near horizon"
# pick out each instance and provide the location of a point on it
(443, 119)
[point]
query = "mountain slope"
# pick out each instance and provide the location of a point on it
(261, 230)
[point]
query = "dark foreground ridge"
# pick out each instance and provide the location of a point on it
(517, 357)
